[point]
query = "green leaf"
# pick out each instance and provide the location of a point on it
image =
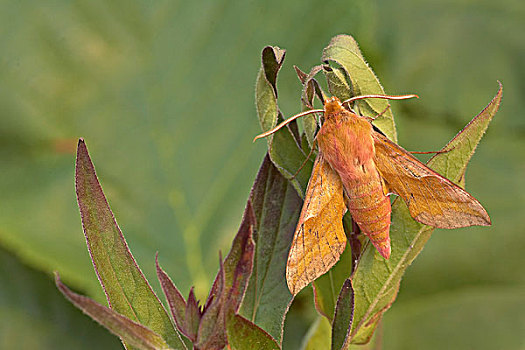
(127, 290)
(130, 332)
(277, 207)
(343, 317)
(266, 88)
(338, 82)
(376, 280)
(243, 334)
(283, 147)
(344, 51)
(318, 336)
(328, 286)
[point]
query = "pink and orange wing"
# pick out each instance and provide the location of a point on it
(431, 198)
(319, 238)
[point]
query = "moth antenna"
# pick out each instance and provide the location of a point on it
(386, 97)
(282, 124)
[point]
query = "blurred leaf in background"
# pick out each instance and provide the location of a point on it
(163, 93)
(34, 316)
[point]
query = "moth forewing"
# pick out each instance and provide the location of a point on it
(319, 238)
(431, 198)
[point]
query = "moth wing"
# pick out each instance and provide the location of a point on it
(319, 238)
(431, 198)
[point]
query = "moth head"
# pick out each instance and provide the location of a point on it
(332, 105)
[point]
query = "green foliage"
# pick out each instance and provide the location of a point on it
(343, 317)
(127, 291)
(252, 273)
(243, 334)
(135, 313)
(142, 81)
(376, 281)
(328, 286)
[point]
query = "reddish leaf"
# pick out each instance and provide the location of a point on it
(212, 328)
(130, 332)
(193, 316)
(276, 206)
(229, 286)
(175, 299)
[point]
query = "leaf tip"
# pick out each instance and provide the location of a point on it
(81, 146)
(82, 152)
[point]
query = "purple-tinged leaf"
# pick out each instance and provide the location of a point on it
(343, 317)
(239, 262)
(126, 288)
(229, 286)
(243, 335)
(131, 333)
(175, 299)
(277, 207)
(300, 74)
(193, 316)
(212, 328)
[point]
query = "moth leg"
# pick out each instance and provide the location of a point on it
(306, 160)
(430, 152)
(380, 114)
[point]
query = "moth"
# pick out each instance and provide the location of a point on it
(357, 169)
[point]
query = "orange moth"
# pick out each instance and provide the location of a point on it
(356, 169)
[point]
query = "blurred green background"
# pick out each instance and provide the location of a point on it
(163, 93)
